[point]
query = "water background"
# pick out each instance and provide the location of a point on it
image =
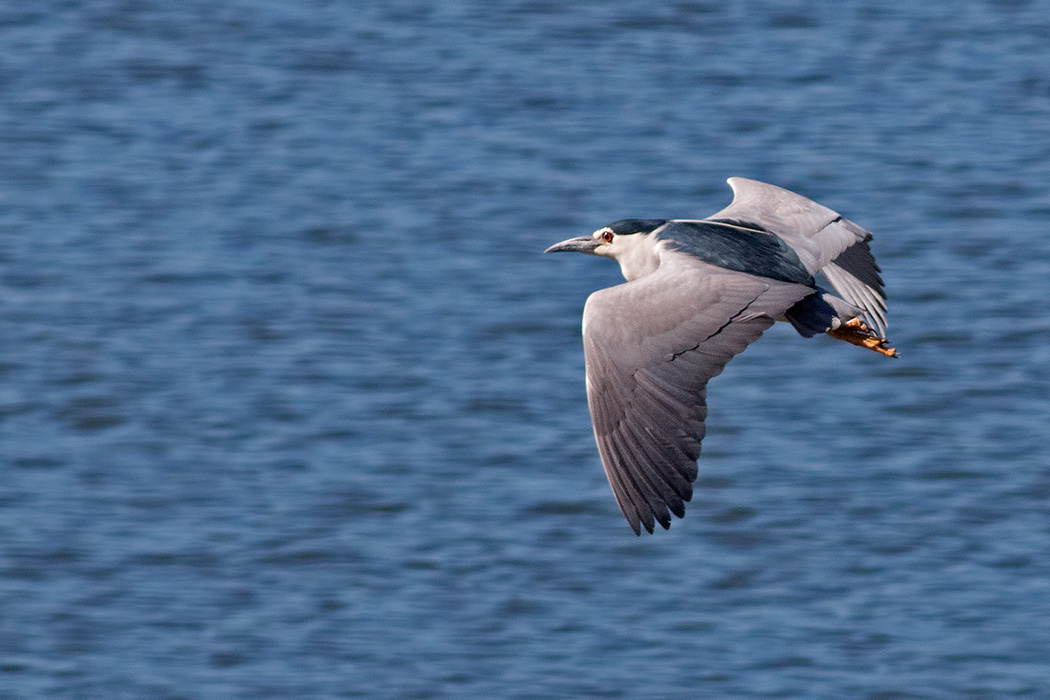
(291, 406)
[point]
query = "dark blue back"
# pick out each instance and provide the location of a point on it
(754, 252)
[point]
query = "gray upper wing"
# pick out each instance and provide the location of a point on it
(824, 240)
(651, 345)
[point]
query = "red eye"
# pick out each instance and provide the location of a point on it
(607, 236)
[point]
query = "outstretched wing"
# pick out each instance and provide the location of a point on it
(824, 240)
(651, 345)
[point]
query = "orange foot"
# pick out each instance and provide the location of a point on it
(856, 332)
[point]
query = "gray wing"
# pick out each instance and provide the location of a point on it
(651, 345)
(824, 240)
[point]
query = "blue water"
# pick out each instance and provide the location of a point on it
(291, 405)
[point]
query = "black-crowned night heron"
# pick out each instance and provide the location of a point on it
(698, 293)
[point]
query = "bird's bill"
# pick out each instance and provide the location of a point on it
(582, 244)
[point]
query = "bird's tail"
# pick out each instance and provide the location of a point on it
(820, 312)
(823, 312)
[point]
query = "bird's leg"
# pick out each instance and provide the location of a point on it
(857, 332)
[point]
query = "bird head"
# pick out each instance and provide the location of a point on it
(628, 241)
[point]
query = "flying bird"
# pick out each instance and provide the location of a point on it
(697, 293)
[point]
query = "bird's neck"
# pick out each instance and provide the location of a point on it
(637, 256)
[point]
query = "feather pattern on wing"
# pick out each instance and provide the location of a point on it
(824, 241)
(651, 346)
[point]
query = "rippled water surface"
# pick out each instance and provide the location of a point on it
(291, 406)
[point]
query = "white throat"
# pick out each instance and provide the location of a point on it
(636, 254)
